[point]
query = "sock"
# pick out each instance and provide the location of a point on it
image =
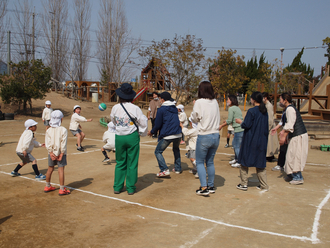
(48, 184)
(18, 167)
(228, 140)
(105, 154)
(61, 187)
(35, 168)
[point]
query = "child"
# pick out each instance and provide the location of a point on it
(191, 135)
(109, 138)
(183, 119)
(46, 114)
(56, 140)
(75, 126)
(229, 132)
(25, 145)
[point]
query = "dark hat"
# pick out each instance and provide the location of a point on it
(126, 91)
(166, 96)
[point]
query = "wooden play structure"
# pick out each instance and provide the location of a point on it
(316, 104)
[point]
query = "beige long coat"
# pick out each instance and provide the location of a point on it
(273, 145)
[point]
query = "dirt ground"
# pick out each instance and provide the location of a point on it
(164, 212)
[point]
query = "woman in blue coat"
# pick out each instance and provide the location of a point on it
(254, 143)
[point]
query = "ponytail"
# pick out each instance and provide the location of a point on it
(257, 96)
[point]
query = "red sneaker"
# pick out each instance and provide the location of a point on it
(49, 189)
(64, 192)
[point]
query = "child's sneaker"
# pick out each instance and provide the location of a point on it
(64, 192)
(201, 191)
(196, 175)
(176, 172)
(80, 149)
(227, 145)
(106, 160)
(40, 177)
(15, 174)
(49, 189)
(163, 173)
(211, 189)
(242, 187)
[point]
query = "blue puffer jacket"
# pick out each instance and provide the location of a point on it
(167, 120)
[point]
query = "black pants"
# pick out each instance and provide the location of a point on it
(152, 126)
(282, 155)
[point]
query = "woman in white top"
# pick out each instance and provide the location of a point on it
(130, 124)
(206, 112)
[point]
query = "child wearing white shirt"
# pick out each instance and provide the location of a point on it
(46, 114)
(109, 139)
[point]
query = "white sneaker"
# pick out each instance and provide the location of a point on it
(236, 165)
(277, 168)
(233, 161)
(196, 175)
(163, 173)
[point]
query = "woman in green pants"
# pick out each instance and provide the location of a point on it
(130, 124)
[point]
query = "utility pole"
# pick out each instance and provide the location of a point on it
(8, 52)
(53, 36)
(33, 35)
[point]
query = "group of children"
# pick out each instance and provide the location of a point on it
(56, 144)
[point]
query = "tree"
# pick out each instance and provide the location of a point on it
(326, 41)
(114, 43)
(227, 72)
(56, 36)
(29, 80)
(3, 25)
(81, 47)
(184, 59)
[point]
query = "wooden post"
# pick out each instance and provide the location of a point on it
(87, 92)
(310, 98)
(245, 102)
(328, 94)
(275, 98)
(262, 87)
(102, 88)
(258, 86)
(109, 92)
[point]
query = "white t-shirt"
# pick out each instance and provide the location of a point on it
(75, 120)
(123, 123)
(56, 140)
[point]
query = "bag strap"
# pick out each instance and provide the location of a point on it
(130, 117)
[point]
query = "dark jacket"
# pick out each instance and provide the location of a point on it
(167, 120)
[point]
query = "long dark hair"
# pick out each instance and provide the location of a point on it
(233, 100)
(257, 96)
(265, 94)
(205, 90)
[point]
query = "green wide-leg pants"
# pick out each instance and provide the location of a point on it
(127, 158)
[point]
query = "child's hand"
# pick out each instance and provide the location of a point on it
(52, 156)
(273, 131)
(181, 125)
(59, 157)
(239, 121)
(43, 145)
(149, 133)
(25, 153)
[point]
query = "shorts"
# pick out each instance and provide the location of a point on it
(108, 147)
(28, 159)
(46, 123)
(74, 132)
(231, 132)
(191, 154)
(61, 163)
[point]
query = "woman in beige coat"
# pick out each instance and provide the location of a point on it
(273, 145)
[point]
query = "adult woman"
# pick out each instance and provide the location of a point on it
(129, 121)
(254, 142)
(234, 112)
(272, 146)
(206, 113)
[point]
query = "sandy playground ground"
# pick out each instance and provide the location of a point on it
(165, 212)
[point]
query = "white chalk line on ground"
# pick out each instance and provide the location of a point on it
(202, 235)
(312, 239)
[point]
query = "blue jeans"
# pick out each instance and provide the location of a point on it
(297, 176)
(206, 147)
(160, 148)
(237, 143)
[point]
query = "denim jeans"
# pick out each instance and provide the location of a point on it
(237, 143)
(297, 176)
(160, 148)
(206, 147)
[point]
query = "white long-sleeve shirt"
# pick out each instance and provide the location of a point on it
(56, 139)
(46, 114)
(123, 123)
(27, 142)
(191, 136)
(207, 114)
(183, 119)
(291, 117)
(75, 121)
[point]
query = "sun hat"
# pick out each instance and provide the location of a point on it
(55, 118)
(76, 106)
(181, 107)
(48, 102)
(30, 123)
(166, 96)
(126, 91)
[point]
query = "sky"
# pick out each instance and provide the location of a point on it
(250, 27)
